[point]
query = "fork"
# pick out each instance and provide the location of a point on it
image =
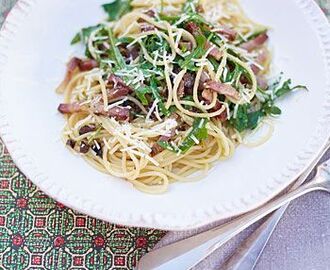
(248, 254)
(188, 252)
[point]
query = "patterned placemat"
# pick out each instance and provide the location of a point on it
(37, 232)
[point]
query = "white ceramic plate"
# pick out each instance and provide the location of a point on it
(34, 47)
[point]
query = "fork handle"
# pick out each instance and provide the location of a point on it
(247, 255)
(189, 252)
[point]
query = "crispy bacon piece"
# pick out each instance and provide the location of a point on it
(82, 64)
(186, 86)
(87, 64)
(151, 13)
(223, 116)
(204, 78)
(189, 81)
(215, 52)
(84, 147)
(86, 129)
(255, 43)
(208, 98)
(73, 64)
(68, 108)
(181, 89)
(119, 113)
(156, 148)
(261, 59)
(117, 87)
(129, 53)
(223, 89)
(227, 32)
(71, 143)
(255, 69)
(262, 82)
(146, 27)
(71, 68)
(207, 95)
(115, 80)
(200, 9)
(193, 28)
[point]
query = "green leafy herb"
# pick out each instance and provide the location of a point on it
(84, 34)
(141, 94)
(198, 52)
(117, 9)
(254, 119)
(154, 43)
(114, 51)
(197, 134)
(247, 118)
(188, 98)
(169, 18)
(168, 146)
(235, 74)
(286, 88)
(172, 109)
(241, 121)
(257, 32)
(190, 6)
(125, 40)
(157, 96)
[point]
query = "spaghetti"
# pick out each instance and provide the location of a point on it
(167, 89)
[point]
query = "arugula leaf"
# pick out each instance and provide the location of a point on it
(254, 119)
(190, 6)
(157, 96)
(169, 18)
(84, 34)
(125, 40)
(172, 109)
(154, 43)
(241, 121)
(141, 94)
(117, 9)
(286, 88)
(114, 51)
(237, 72)
(198, 52)
(247, 119)
(199, 133)
(257, 32)
(168, 146)
(188, 98)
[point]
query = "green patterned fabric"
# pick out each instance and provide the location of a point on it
(38, 233)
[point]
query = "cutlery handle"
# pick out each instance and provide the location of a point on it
(248, 254)
(189, 251)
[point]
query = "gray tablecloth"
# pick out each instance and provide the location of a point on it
(301, 241)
